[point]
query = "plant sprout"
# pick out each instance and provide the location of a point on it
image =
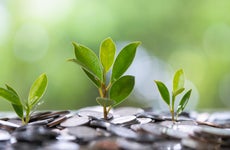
(118, 87)
(36, 92)
(178, 88)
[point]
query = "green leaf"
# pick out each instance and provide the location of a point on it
(105, 102)
(88, 59)
(18, 109)
(124, 60)
(37, 90)
(178, 91)
(12, 90)
(85, 68)
(107, 53)
(178, 81)
(121, 88)
(183, 102)
(10, 96)
(92, 78)
(163, 91)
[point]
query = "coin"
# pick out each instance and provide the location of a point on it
(75, 121)
(4, 135)
(83, 132)
(123, 119)
(93, 114)
(126, 111)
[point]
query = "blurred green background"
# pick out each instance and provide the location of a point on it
(36, 36)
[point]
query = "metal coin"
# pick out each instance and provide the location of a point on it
(34, 134)
(4, 136)
(170, 145)
(122, 132)
(75, 121)
(132, 145)
(144, 120)
(57, 121)
(83, 132)
(126, 111)
(100, 124)
(153, 128)
(93, 114)
(123, 119)
(61, 145)
(214, 131)
(104, 144)
(195, 144)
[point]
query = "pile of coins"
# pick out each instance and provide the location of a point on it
(127, 128)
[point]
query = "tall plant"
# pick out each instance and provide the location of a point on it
(118, 87)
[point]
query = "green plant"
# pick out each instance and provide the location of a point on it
(178, 88)
(37, 90)
(114, 91)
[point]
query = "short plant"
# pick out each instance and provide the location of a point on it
(178, 88)
(37, 90)
(118, 87)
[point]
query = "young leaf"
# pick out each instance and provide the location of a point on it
(183, 102)
(37, 89)
(10, 96)
(124, 60)
(178, 81)
(178, 91)
(87, 71)
(89, 59)
(92, 78)
(105, 102)
(107, 53)
(121, 88)
(163, 91)
(12, 90)
(18, 109)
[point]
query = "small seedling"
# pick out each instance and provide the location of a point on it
(114, 91)
(36, 92)
(178, 88)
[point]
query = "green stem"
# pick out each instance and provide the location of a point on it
(27, 119)
(105, 113)
(172, 107)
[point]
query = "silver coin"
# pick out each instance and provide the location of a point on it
(153, 128)
(214, 131)
(57, 121)
(125, 111)
(83, 132)
(196, 144)
(144, 120)
(166, 144)
(4, 135)
(61, 145)
(9, 124)
(93, 114)
(99, 124)
(175, 133)
(75, 121)
(123, 119)
(122, 132)
(95, 108)
(132, 145)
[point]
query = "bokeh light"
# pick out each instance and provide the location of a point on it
(36, 37)
(31, 42)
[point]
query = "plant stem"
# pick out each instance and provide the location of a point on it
(172, 107)
(105, 113)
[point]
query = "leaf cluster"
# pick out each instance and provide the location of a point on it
(96, 68)
(36, 92)
(178, 88)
